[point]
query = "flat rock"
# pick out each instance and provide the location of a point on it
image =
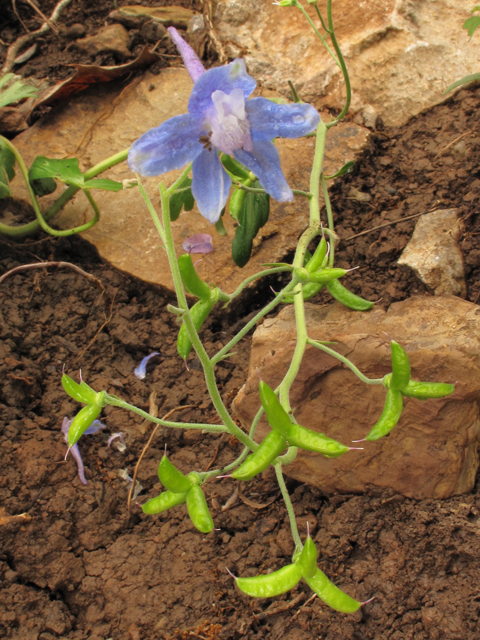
(102, 122)
(110, 39)
(433, 451)
(401, 55)
(434, 255)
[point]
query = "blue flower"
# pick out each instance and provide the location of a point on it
(220, 118)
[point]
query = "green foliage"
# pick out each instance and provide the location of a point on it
(7, 170)
(253, 215)
(182, 199)
(44, 169)
(15, 92)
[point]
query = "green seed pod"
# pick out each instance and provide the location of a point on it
(258, 461)
(346, 297)
(236, 203)
(390, 415)
(198, 510)
(400, 367)
(172, 478)
(312, 441)
(330, 594)
(270, 585)
(199, 312)
(190, 278)
(425, 390)
(318, 257)
(276, 415)
(163, 502)
(309, 290)
(307, 562)
(79, 392)
(327, 275)
(82, 421)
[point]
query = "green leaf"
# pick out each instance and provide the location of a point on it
(43, 187)
(181, 199)
(472, 24)
(465, 80)
(347, 167)
(235, 168)
(7, 170)
(253, 215)
(103, 183)
(66, 171)
(15, 92)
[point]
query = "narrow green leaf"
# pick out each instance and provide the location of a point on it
(347, 167)
(465, 80)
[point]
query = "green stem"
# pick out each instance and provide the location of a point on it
(328, 206)
(345, 361)
(245, 187)
(322, 38)
(342, 65)
(117, 402)
(153, 213)
(208, 367)
(250, 279)
(316, 173)
(271, 305)
(289, 505)
(29, 228)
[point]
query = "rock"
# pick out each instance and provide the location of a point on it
(110, 39)
(90, 128)
(135, 15)
(401, 55)
(434, 255)
(432, 452)
(73, 32)
(153, 31)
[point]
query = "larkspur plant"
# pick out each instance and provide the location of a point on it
(228, 138)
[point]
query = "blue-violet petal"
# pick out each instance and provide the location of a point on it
(272, 120)
(210, 184)
(192, 62)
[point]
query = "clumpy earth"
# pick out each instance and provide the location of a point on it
(78, 565)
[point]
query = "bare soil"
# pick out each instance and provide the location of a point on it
(81, 567)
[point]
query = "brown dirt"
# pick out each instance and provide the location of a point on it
(82, 567)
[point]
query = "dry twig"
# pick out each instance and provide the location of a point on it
(256, 505)
(19, 43)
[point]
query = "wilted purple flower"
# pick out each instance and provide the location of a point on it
(75, 451)
(220, 118)
(121, 446)
(141, 370)
(201, 243)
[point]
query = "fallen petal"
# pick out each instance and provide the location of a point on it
(121, 446)
(201, 243)
(141, 370)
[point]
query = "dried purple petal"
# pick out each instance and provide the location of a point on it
(141, 370)
(121, 446)
(201, 243)
(75, 451)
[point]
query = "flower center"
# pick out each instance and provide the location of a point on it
(228, 122)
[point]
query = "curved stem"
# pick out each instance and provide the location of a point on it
(250, 279)
(289, 505)
(342, 65)
(29, 228)
(117, 402)
(208, 367)
(316, 173)
(345, 361)
(333, 235)
(322, 38)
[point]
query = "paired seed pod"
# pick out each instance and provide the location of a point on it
(95, 403)
(399, 384)
(281, 581)
(284, 434)
(181, 489)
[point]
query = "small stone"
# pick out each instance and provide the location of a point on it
(135, 15)
(153, 31)
(434, 255)
(73, 32)
(433, 451)
(110, 39)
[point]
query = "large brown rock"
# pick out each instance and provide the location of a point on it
(100, 123)
(432, 453)
(401, 55)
